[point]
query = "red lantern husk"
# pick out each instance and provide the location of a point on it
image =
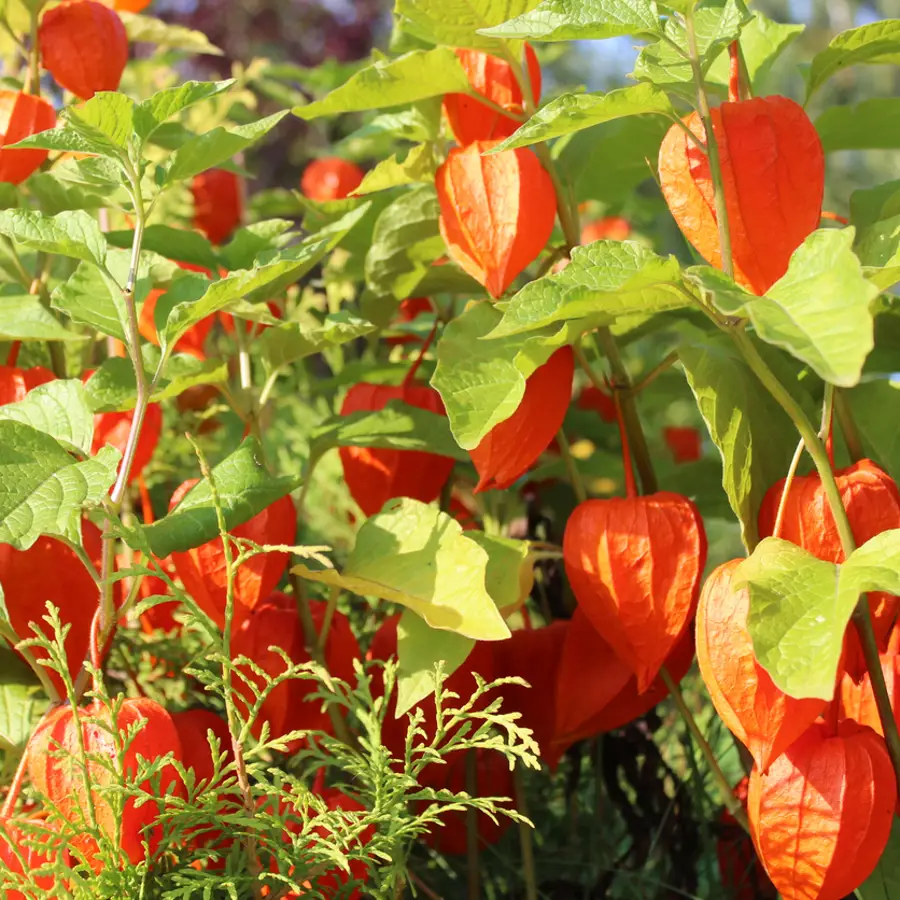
(685, 443)
(609, 228)
(16, 383)
(218, 204)
(21, 116)
(330, 178)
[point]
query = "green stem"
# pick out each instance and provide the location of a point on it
(525, 839)
(571, 468)
(656, 371)
(732, 804)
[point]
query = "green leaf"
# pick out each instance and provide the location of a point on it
(172, 243)
(879, 202)
(398, 426)
(75, 234)
(458, 22)
(168, 103)
(107, 113)
(59, 409)
(206, 151)
(800, 607)
(875, 406)
(393, 82)
(604, 281)
(581, 20)
(43, 489)
(91, 297)
(510, 571)
(753, 434)
(245, 488)
(884, 882)
(417, 556)
(146, 29)
(819, 311)
(68, 140)
(285, 344)
(248, 243)
(871, 125)
(877, 43)
(575, 112)
(21, 703)
(405, 243)
(24, 318)
(55, 195)
(419, 165)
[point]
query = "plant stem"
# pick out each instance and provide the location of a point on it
(655, 372)
(525, 842)
(785, 493)
(732, 804)
(571, 468)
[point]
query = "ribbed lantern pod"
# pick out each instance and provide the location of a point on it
(509, 449)
(763, 718)
(635, 566)
(493, 78)
(609, 228)
(218, 203)
(858, 698)
(56, 773)
(16, 383)
(773, 173)
(202, 569)
(821, 815)
(83, 46)
(21, 116)
(330, 178)
(497, 212)
(27, 845)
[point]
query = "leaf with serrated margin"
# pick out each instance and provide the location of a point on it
(24, 318)
(284, 344)
(91, 297)
(588, 20)
(458, 22)
(43, 489)
(172, 243)
(108, 113)
(58, 408)
(166, 104)
(74, 233)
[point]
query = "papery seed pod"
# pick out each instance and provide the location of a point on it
(27, 845)
(16, 383)
(374, 476)
(49, 571)
(21, 116)
(535, 655)
(83, 46)
(493, 78)
(53, 764)
(509, 449)
(609, 228)
(773, 174)
(685, 443)
(330, 178)
(193, 726)
(821, 816)
(192, 342)
(762, 717)
(290, 706)
(857, 699)
(497, 212)
(410, 310)
(635, 566)
(113, 429)
(202, 569)
(593, 399)
(218, 204)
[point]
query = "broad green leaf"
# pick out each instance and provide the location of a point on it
(482, 382)
(75, 234)
(419, 165)
(91, 297)
(878, 246)
(24, 318)
(59, 409)
(875, 406)
(877, 43)
(884, 882)
(415, 555)
(819, 311)
(870, 125)
(168, 103)
(754, 436)
(581, 20)
(800, 607)
(284, 344)
(393, 82)
(108, 113)
(68, 140)
(146, 29)
(879, 202)
(56, 195)
(248, 243)
(43, 489)
(172, 243)
(245, 488)
(575, 112)
(398, 426)
(510, 571)
(457, 22)
(405, 243)
(206, 151)
(21, 701)
(604, 281)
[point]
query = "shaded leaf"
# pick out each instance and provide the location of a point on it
(284, 344)
(74, 233)
(58, 408)
(91, 297)
(24, 318)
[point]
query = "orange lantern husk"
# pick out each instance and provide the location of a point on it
(761, 716)
(330, 178)
(773, 174)
(497, 212)
(857, 699)
(21, 116)
(218, 204)
(609, 228)
(685, 443)
(20, 856)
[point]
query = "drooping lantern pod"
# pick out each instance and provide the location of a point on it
(291, 705)
(592, 399)
(16, 383)
(773, 173)
(609, 228)
(761, 716)
(685, 444)
(83, 46)
(497, 212)
(25, 846)
(493, 78)
(857, 699)
(21, 116)
(202, 570)
(330, 178)
(509, 449)
(821, 815)
(410, 310)
(193, 726)
(54, 766)
(376, 475)
(49, 571)
(218, 204)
